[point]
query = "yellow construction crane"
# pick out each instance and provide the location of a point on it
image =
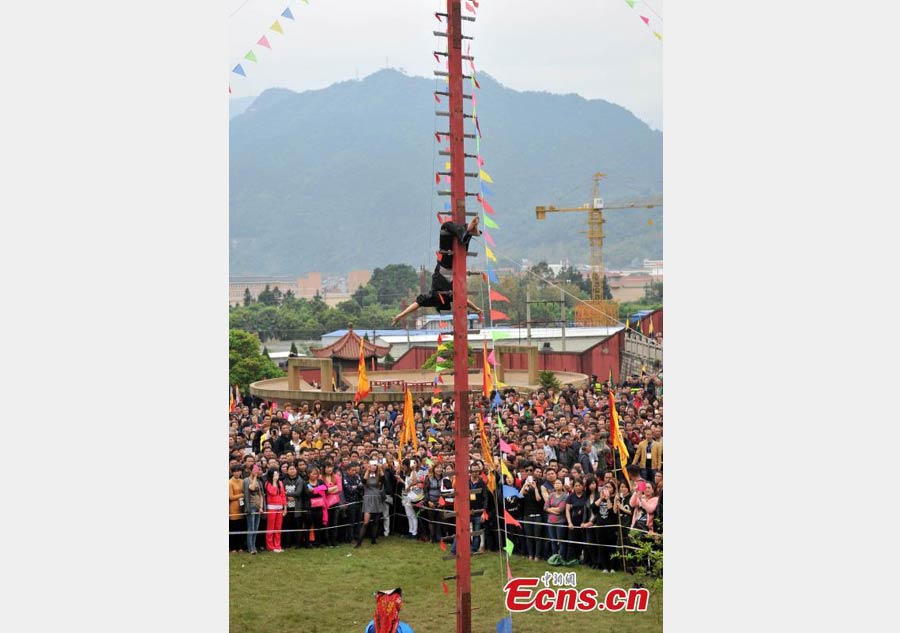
(598, 311)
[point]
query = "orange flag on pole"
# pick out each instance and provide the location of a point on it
(362, 384)
(486, 380)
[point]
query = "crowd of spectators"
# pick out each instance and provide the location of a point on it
(303, 475)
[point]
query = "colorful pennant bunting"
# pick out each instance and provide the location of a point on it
(488, 238)
(490, 223)
(250, 56)
(509, 546)
(276, 27)
(287, 13)
(485, 176)
(492, 276)
(490, 254)
(264, 42)
(239, 70)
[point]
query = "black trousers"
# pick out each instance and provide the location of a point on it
(289, 538)
(316, 537)
(304, 522)
(607, 537)
(237, 541)
(353, 517)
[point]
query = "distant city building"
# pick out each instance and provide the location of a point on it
(357, 278)
(333, 288)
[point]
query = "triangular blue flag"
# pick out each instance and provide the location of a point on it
(485, 189)
(492, 276)
(237, 69)
(505, 625)
(446, 206)
(287, 13)
(510, 491)
(497, 401)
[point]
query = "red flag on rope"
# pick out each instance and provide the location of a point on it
(646, 20)
(443, 544)
(510, 520)
(446, 588)
(496, 296)
(497, 315)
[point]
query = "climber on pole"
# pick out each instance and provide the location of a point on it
(440, 296)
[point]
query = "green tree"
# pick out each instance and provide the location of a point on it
(653, 292)
(265, 351)
(542, 269)
(246, 364)
(548, 380)
(277, 295)
(289, 298)
(267, 297)
(248, 298)
(293, 347)
(394, 282)
(447, 355)
(607, 291)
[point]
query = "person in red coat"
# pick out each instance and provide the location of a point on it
(276, 508)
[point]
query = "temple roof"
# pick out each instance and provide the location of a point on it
(347, 348)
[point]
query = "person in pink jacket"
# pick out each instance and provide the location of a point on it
(276, 508)
(333, 487)
(644, 502)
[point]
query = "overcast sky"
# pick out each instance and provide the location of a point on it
(595, 48)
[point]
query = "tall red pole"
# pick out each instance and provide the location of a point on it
(460, 322)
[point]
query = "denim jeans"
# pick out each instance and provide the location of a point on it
(532, 530)
(557, 532)
(252, 529)
(476, 540)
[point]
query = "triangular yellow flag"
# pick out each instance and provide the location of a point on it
(490, 254)
(485, 176)
(276, 27)
(504, 470)
(658, 36)
(446, 165)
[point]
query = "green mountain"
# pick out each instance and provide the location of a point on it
(344, 178)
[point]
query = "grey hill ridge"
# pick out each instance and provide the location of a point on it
(343, 178)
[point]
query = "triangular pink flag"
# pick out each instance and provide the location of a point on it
(504, 447)
(488, 238)
(491, 358)
(509, 575)
(487, 207)
(264, 42)
(480, 161)
(646, 20)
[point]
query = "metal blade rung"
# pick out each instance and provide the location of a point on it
(446, 152)
(444, 73)
(439, 34)
(441, 113)
(447, 94)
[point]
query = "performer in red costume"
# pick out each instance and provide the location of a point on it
(387, 613)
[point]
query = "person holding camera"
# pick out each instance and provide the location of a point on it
(413, 493)
(373, 478)
(533, 499)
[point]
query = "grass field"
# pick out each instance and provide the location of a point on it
(327, 591)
